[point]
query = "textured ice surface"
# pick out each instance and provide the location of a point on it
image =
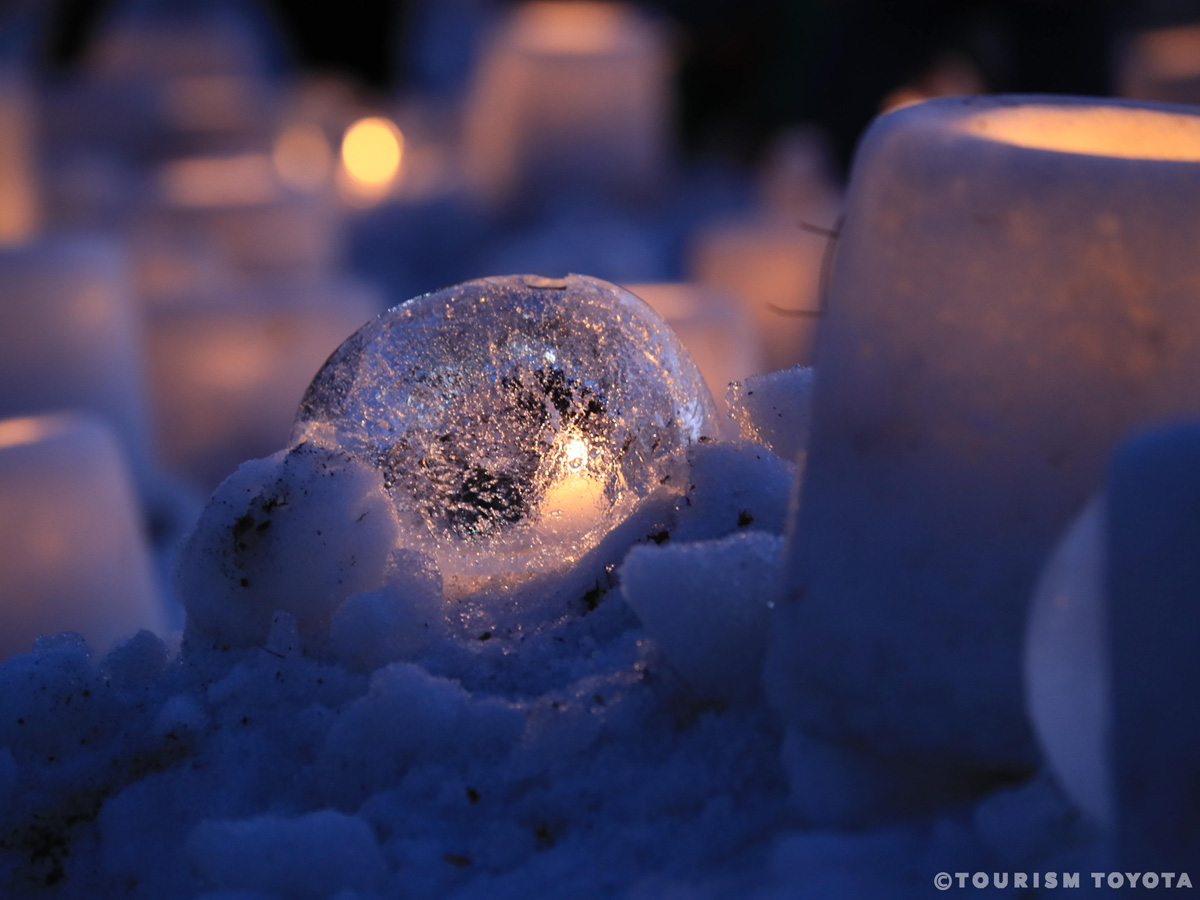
(515, 420)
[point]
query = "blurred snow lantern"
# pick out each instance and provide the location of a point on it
(583, 237)
(1013, 290)
(184, 77)
(1111, 662)
(773, 263)
(797, 177)
(228, 370)
(569, 93)
(516, 421)
(952, 75)
(261, 228)
(87, 190)
(1067, 665)
(151, 117)
(71, 338)
(715, 330)
(171, 39)
(223, 109)
(177, 269)
(302, 156)
(371, 156)
(1161, 64)
(19, 203)
(71, 543)
(313, 117)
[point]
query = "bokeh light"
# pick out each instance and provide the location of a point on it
(372, 152)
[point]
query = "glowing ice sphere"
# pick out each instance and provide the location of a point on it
(516, 420)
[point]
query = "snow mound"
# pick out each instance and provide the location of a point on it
(734, 485)
(308, 857)
(300, 532)
(775, 410)
(706, 606)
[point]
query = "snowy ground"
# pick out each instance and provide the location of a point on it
(613, 742)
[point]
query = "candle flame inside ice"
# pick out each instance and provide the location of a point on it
(577, 454)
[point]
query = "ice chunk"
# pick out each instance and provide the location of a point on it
(706, 607)
(299, 532)
(774, 410)
(515, 420)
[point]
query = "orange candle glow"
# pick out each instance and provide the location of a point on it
(372, 154)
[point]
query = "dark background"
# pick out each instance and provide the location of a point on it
(748, 67)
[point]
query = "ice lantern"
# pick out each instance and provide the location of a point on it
(515, 420)
(71, 544)
(1014, 289)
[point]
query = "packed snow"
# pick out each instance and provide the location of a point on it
(334, 722)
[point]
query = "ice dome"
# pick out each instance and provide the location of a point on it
(515, 420)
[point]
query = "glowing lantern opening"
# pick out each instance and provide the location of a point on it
(1126, 133)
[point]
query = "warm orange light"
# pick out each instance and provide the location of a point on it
(902, 97)
(32, 429)
(1127, 133)
(302, 156)
(579, 28)
(577, 454)
(949, 76)
(1171, 53)
(372, 151)
(19, 202)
